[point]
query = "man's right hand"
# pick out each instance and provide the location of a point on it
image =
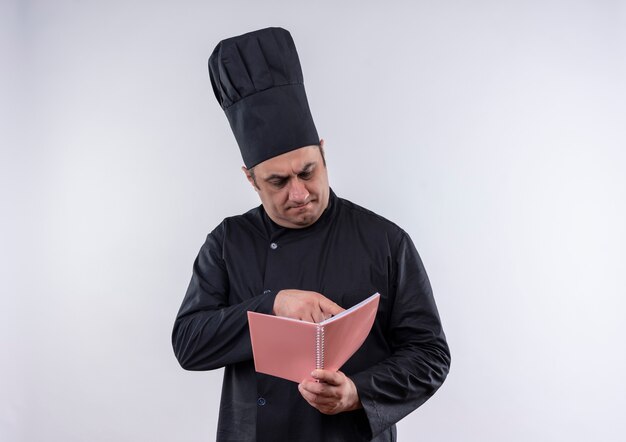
(304, 305)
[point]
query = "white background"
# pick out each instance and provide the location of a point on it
(492, 131)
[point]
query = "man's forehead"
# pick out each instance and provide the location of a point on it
(290, 162)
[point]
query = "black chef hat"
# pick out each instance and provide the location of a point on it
(258, 81)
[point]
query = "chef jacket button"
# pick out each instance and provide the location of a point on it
(261, 401)
(274, 246)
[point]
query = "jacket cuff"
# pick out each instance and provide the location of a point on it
(267, 304)
(376, 423)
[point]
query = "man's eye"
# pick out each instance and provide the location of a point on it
(305, 175)
(278, 183)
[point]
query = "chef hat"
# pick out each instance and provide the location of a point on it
(258, 81)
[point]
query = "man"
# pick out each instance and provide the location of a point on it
(305, 254)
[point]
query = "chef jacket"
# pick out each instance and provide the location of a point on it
(347, 255)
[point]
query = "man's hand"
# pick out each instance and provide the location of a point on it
(304, 305)
(334, 393)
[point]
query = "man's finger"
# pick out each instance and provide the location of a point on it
(317, 388)
(328, 376)
(306, 394)
(318, 316)
(329, 307)
(314, 398)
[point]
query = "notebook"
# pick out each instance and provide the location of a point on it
(291, 349)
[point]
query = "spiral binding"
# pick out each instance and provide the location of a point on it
(319, 350)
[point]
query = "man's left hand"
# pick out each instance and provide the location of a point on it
(334, 393)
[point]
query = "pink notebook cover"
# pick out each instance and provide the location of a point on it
(291, 349)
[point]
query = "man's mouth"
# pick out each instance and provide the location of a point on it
(301, 206)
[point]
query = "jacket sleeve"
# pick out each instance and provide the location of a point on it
(420, 358)
(210, 333)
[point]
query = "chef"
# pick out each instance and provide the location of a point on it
(304, 253)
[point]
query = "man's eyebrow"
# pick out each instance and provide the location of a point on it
(307, 167)
(275, 176)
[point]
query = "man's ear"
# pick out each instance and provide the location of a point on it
(322, 151)
(249, 177)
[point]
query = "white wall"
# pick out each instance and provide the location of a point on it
(492, 131)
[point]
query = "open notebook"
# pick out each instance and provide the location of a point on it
(291, 349)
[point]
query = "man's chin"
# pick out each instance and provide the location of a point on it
(304, 220)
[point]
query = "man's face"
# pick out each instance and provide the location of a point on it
(293, 187)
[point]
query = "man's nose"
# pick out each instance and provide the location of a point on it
(298, 192)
